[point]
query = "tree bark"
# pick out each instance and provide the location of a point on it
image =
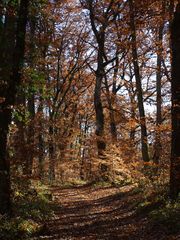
(100, 73)
(144, 140)
(7, 36)
(51, 155)
(158, 147)
(6, 106)
(101, 145)
(1, 22)
(175, 88)
(31, 100)
(110, 101)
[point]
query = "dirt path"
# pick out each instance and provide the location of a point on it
(98, 213)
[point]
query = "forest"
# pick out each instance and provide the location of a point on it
(90, 119)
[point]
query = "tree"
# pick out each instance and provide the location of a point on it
(175, 88)
(9, 87)
(94, 73)
(158, 147)
(144, 140)
(100, 21)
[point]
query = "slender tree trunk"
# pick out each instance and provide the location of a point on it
(51, 155)
(133, 107)
(144, 141)
(21, 144)
(41, 143)
(30, 136)
(5, 205)
(133, 129)
(41, 156)
(6, 49)
(1, 21)
(110, 101)
(6, 106)
(41, 134)
(158, 147)
(175, 149)
(100, 73)
(98, 107)
(83, 172)
(31, 101)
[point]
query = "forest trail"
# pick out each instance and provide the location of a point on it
(89, 212)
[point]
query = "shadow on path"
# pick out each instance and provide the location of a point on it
(98, 213)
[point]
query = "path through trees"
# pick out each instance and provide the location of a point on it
(91, 212)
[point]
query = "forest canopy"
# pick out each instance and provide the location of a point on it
(89, 92)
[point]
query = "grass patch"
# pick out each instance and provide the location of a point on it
(102, 184)
(68, 184)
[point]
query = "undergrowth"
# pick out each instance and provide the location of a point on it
(31, 208)
(152, 186)
(156, 204)
(168, 216)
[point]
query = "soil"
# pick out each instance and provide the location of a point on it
(91, 213)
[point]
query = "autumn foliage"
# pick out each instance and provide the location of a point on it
(85, 94)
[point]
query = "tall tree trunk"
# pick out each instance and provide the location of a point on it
(6, 106)
(144, 140)
(133, 106)
(133, 116)
(6, 49)
(30, 136)
(100, 73)
(41, 142)
(51, 155)
(31, 101)
(175, 149)
(157, 149)
(41, 157)
(1, 20)
(98, 106)
(41, 134)
(110, 101)
(21, 144)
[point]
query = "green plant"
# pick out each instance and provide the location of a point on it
(168, 216)
(31, 208)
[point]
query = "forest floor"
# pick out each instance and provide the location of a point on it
(92, 212)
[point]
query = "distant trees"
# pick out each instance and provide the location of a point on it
(94, 74)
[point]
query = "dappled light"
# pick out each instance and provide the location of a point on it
(89, 119)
